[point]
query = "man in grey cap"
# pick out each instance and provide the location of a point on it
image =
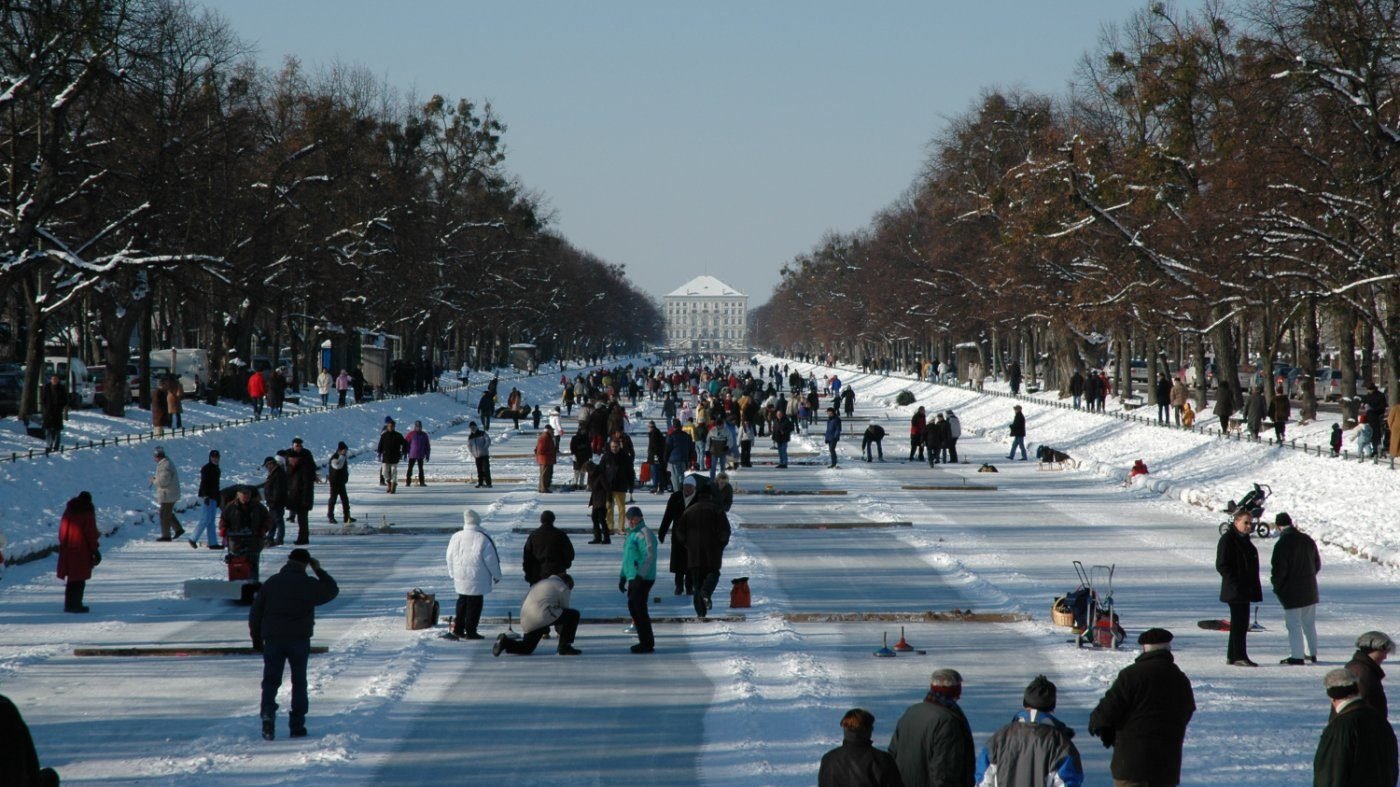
(281, 622)
(1143, 716)
(1372, 648)
(932, 741)
(1357, 748)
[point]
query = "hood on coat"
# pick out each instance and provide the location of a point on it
(471, 520)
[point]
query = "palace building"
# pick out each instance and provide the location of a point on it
(705, 314)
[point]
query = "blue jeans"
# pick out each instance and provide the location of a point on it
(1076, 401)
(257, 406)
(325, 398)
(782, 454)
(717, 464)
(208, 511)
(1018, 441)
(878, 447)
(831, 449)
(276, 655)
(278, 531)
(677, 475)
(657, 474)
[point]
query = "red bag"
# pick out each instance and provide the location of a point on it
(646, 472)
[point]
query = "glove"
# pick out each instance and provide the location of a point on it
(1108, 736)
(622, 584)
(661, 539)
(96, 557)
(258, 645)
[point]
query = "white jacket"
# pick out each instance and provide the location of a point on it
(545, 602)
(323, 382)
(472, 561)
(167, 481)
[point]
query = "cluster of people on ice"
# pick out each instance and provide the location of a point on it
(1143, 717)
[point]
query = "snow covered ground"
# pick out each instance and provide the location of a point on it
(752, 701)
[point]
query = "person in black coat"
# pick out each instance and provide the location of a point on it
(704, 532)
(656, 457)
(1018, 433)
(19, 762)
(301, 488)
(1013, 375)
(932, 741)
(1372, 648)
(209, 477)
(675, 506)
(53, 400)
(1294, 567)
(1162, 393)
(1358, 747)
(856, 762)
(548, 550)
(281, 623)
(1076, 388)
(1144, 714)
(1237, 562)
(274, 495)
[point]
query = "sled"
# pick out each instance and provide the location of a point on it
(1215, 624)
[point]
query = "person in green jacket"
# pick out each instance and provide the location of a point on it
(637, 576)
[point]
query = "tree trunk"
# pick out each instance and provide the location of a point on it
(36, 321)
(1307, 361)
(1346, 363)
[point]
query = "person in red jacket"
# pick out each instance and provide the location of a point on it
(257, 389)
(77, 550)
(545, 454)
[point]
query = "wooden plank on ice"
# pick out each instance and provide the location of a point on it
(821, 525)
(177, 651)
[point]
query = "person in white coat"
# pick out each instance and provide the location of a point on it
(475, 566)
(167, 485)
(545, 605)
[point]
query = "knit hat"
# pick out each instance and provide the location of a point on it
(1040, 694)
(634, 511)
(267, 460)
(388, 419)
(341, 446)
(1155, 637)
(1283, 520)
(296, 441)
(546, 517)
(1340, 684)
(214, 454)
(299, 555)
(158, 450)
(470, 517)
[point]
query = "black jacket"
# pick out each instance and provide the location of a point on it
(1357, 749)
(301, 480)
(1144, 717)
(704, 532)
(391, 447)
(548, 551)
(932, 746)
(1295, 564)
(857, 763)
(1237, 562)
(275, 487)
(675, 506)
(1018, 425)
(285, 607)
(1076, 384)
(656, 446)
(19, 762)
(1368, 676)
(209, 481)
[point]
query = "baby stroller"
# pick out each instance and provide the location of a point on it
(1088, 609)
(1253, 502)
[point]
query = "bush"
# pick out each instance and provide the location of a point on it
(904, 399)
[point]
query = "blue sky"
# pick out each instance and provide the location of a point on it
(688, 138)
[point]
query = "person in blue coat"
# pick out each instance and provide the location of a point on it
(1035, 748)
(637, 575)
(679, 449)
(833, 433)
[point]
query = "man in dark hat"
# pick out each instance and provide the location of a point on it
(1143, 716)
(1295, 563)
(856, 760)
(1358, 748)
(281, 622)
(548, 550)
(208, 502)
(1035, 748)
(243, 526)
(391, 449)
(275, 496)
(301, 488)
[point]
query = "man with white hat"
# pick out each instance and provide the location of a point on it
(475, 566)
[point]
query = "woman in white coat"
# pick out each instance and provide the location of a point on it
(474, 565)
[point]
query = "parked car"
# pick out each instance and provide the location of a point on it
(74, 374)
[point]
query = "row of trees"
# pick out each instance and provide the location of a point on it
(1219, 182)
(160, 187)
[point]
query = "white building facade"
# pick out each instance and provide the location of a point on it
(705, 314)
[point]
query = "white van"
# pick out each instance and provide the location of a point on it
(187, 364)
(74, 374)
